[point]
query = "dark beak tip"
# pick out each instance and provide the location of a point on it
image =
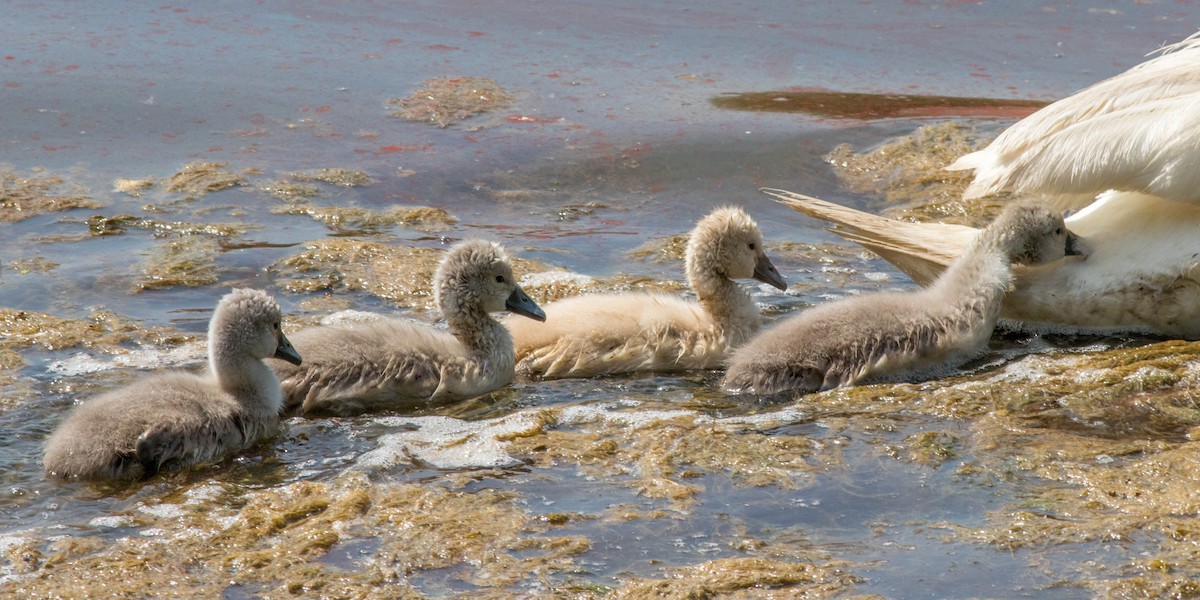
(520, 303)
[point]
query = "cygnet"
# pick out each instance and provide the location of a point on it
(619, 333)
(845, 342)
(394, 364)
(178, 418)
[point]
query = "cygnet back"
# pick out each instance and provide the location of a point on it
(845, 342)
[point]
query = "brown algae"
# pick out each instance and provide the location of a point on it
(133, 187)
(334, 175)
(909, 174)
(27, 195)
(353, 219)
(189, 261)
(444, 101)
(196, 179)
(1104, 444)
(274, 543)
(102, 331)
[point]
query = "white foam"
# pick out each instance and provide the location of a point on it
(576, 415)
(448, 443)
(112, 521)
(83, 363)
(162, 511)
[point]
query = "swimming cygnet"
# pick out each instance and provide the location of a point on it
(886, 334)
(618, 333)
(182, 418)
(390, 364)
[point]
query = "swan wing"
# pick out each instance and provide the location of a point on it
(1112, 112)
(921, 250)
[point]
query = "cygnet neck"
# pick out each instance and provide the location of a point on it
(474, 327)
(981, 276)
(721, 297)
(243, 376)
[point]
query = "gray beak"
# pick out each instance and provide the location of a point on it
(285, 351)
(520, 303)
(1076, 246)
(765, 272)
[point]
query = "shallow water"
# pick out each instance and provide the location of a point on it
(1054, 466)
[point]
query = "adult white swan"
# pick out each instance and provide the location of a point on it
(1126, 151)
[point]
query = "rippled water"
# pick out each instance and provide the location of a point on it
(626, 485)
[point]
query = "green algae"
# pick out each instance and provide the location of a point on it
(39, 192)
(661, 250)
(443, 101)
(404, 275)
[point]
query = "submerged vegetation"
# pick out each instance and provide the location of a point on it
(1084, 459)
(444, 101)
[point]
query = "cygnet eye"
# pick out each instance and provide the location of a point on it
(275, 325)
(1058, 231)
(752, 245)
(499, 279)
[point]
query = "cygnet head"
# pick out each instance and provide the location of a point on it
(476, 275)
(728, 243)
(1032, 233)
(248, 322)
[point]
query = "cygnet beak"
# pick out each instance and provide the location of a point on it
(519, 302)
(285, 350)
(1076, 246)
(765, 272)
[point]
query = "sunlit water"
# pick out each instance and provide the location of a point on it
(611, 143)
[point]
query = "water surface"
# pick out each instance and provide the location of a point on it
(1053, 467)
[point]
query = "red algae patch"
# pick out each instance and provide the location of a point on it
(444, 101)
(848, 105)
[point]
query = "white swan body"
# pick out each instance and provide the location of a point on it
(1134, 132)
(392, 364)
(1127, 150)
(619, 333)
(845, 342)
(1142, 273)
(180, 418)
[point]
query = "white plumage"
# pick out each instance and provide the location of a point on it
(1127, 151)
(619, 333)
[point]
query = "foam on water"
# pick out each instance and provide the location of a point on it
(151, 358)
